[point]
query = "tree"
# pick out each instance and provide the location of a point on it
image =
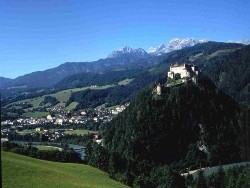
(217, 179)
(220, 178)
(241, 180)
(189, 180)
(201, 180)
(195, 157)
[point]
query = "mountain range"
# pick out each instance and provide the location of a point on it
(130, 53)
(125, 58)
(175, 44)
(226, 64)
(220, 62)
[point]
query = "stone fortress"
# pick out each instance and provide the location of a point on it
(182, 72)
(185, 71)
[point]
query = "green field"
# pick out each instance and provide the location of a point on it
(26, 131)
(70, 132)
(22, 171)
(36, 114)
(71, 106)
(79, 132)
(125, 82)
(50, 148)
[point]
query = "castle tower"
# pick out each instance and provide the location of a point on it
(158, 89)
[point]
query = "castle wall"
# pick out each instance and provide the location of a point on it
(185, 70)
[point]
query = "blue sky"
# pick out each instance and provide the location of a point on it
(37, 35)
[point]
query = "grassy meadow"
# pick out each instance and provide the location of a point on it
(47, 148)
(79, 132)
(22, 171)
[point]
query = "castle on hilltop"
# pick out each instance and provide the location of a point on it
(185, 71)
(178, 74)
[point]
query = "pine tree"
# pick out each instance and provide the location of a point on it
(201, 180)
(190, 180)
(241, 180)
(220, 178)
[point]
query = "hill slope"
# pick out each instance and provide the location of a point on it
(4, 81)
(164, 129)
(231, 73)
(22, 171)
(47, 78)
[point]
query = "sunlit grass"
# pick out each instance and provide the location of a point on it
(126, 81)
(48, 148)
(36, 114)
(22, 171)
(79, 132)
(71, 106)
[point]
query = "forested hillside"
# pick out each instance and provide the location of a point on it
(114, 95)
(232, 73)
(99, 79)
(187, 127)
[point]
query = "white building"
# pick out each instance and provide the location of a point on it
(183, 70)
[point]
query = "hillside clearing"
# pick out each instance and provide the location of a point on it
(125, 82)
(71, 106)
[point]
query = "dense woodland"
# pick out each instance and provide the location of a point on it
(232, 73)
(187, 127)
(232, 178)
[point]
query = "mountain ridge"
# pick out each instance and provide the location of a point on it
(4, 81)
(50, 77)
(128, 52)
(174, 44)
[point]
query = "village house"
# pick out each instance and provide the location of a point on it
(59, 121)
(38, 129)
(49, 118)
